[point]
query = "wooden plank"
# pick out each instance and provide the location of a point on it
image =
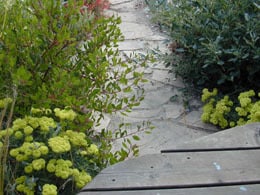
(177, 170)
(227, 190)
(239, 136)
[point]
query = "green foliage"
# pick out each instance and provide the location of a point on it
(217, 42)
(223, 112)
(55, 56)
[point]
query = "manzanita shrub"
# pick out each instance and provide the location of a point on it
(217, 42)
(56, 56)
(224, 112)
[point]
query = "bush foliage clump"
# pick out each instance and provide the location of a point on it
(218, 41)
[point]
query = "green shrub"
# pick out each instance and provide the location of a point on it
(55, 56)
(218, 41)
(223, 112)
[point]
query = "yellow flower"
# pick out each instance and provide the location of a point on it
(18, 135)
(28, 138)
(49, 189)
(36, 153)
(46, 123)
(32, 121)
(51, 167)
(59, 144)
(28, 130)
(44, 150)
(82, 179)
(19, 124)
(38, 164)
(93, 149)
(28, 168)
(65, 114)
(21, 157)
(14, 152)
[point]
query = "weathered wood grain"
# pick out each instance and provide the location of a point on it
(227, 190)
(176, 170)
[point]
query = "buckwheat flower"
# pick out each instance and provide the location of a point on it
(51, 166)
(32, 121)
(28, 152)
(28, 138)
(19, 124)
(28, 130)
(14, 152)
(49, 189)
(38, 164)
(28, 168)
(46, 123)
(82, 179)
(59, 144)
(21, 157)
(44, 150)
(20, 187)
(93, 149)
(65, 114)
(20, 180)
(76, 138)
(18, 135)
(36, 153)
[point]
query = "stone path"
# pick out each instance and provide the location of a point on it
(174, 124)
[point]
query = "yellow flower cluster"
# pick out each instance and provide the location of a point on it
(206, 94)
(63, 169)
(59, 144)
(24, 128)
(248, 111)
(76, 138)
(215, 112)
(93, 149)
(25, 185)
(65, 114)
(49, 189)
(82, 179)
(36, 140)
(29, 150)
(4, 102)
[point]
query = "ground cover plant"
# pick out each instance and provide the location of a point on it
(60, 72)
(226, 113)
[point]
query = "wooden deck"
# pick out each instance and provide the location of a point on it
(231, 169)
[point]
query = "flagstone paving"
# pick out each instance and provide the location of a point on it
(163, 105)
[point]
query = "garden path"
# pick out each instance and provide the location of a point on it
(174, 124)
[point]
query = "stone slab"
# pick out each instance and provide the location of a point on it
(132, 30)
(240, 136)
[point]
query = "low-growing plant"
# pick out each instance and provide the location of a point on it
(224, 112)
(217, 43)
